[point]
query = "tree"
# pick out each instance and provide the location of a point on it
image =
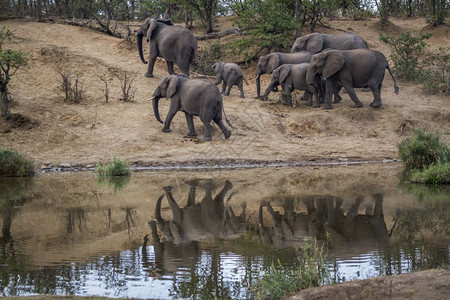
(205, 9)
(437, 11)
(10, 62)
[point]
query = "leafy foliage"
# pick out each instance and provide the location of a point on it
(280, 281)
(408, 49)
(15, 164)
(269, 25)
(422, 150)
(436, 73)
(115, 168)
(434, 174)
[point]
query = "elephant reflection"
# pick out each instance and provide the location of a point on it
(325, 215)
(210, 219)
(292, 229)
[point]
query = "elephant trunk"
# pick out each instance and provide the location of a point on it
(139, 36)
(156, 108)
(311, 79)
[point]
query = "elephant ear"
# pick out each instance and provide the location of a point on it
(314, 43)
(284, 72)
(333, 63)
(152, 25)
(273, 62)
(172, 86)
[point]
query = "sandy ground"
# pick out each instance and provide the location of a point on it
(53, 132)
(50, 130)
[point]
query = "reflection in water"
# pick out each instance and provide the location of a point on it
(158, 238)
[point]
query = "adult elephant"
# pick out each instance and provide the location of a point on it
(270, 62)
(316, 42)
(173, 43)
(195, 97)
(358, 68)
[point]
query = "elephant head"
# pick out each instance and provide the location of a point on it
(217, 67)
(266, 65)
(166, 88)
(312, 42)
(280, 74)
(147, 29)
(324, 65)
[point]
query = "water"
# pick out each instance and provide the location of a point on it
(207, 234)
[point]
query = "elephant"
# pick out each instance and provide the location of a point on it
(231, 74)
(358, 68)
(173, 43)
(316, 42)
(195, 97)
(209, 219)
(270, 62)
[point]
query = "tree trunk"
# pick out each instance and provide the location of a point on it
(4, 101)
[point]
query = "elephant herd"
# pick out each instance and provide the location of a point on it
(325, 218)
(319, 64)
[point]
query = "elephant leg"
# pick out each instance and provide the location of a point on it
(351, 92)
(268, 90)
(170, 68)
(173, 109)
(191, 197)
(224, 87)
(337, 97)
(225, 130)
(241, 88)
(177, 213)
(190, 123)
(151, 63)
(207, 135)
(228, 89)
(376, 96)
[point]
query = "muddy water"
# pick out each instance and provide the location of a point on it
(210, 234)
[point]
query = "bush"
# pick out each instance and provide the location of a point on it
(115, 168)
(14, 164)
(206, 57)
(434, 174)
(280, 281)
(422, 150)
(436, 73)
(408, 50)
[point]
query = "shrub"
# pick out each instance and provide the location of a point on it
(14, 164)
(422, 150)
(280, 281)
(434, 174)
(115, 168)
(72, 88)
(436, 73)
(408, 50)
(206, 57)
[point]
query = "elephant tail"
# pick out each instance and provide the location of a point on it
(393, 78)
(226, 119)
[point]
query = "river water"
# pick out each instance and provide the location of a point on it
(205, 234)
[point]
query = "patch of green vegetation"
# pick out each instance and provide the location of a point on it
(115, 168)
(280, 281)
(426, 157)
(434, 174)
(15, 164)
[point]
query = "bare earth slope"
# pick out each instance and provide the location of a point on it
(80, 134)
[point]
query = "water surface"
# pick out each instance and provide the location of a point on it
(207, 234)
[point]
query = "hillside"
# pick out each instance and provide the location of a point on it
(49, 130)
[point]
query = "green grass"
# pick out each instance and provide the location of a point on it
(15, 164)
(115, 168)
(434, 174)
(280, 281)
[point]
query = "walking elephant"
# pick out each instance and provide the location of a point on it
(231, 74)
(316, 42)
(173, 43)
(195, 97)
(358, 68)
(270, 62)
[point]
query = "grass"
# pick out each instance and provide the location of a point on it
(426, 157)
(15, 164)
(280, 281)
(115, 168)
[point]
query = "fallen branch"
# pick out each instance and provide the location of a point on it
(219, 34)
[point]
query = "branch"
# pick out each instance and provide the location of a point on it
(219, 34)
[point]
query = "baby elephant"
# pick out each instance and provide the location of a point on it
(231, 74)
(195, 97)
